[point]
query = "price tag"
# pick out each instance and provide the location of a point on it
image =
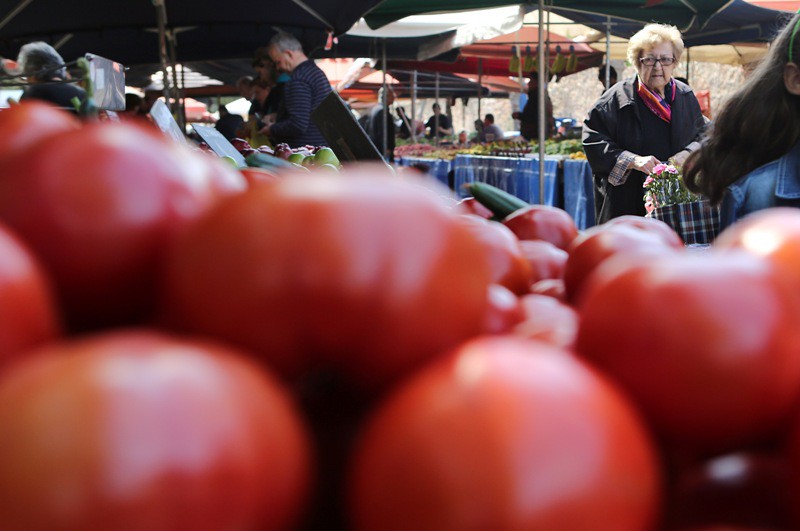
(219, 144)
(165, 121)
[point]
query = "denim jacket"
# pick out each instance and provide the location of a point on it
(776, 183)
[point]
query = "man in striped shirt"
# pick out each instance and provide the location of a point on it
(304, 91)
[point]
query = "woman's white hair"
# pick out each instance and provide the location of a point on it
(651, 36)
(41, 60)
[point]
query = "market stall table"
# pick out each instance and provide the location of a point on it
(579, 192)
(518, 176)
(438, 168)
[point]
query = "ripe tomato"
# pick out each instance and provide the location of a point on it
(551, 287)
(545, 259)
(366, 274)
(28, 313)
(651, 225)
(509, 266)
(505, 434)
(255, 176)
(504, 311)
(135, 430)
(599, 243)
(773, 234)
(543, 222)
(549, 320)
(98, 207)
(704, 344)
(470, 205)
(30, 121)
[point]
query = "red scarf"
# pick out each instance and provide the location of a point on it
(660, 106)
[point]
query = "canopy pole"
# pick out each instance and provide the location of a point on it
(543, 67)
(436, 119)
(161, 17)
(14, 12)
(384, 103)
(608, 53)
(413, 106)
(688, 64)
(480, 84)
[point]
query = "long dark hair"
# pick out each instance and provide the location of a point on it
(759, 123)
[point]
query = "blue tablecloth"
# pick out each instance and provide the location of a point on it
(517, 176)
(439, 168)
(579, 192)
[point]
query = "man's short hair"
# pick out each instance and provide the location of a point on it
(436, 106)
(490, 117)
(41, 60)
(284, 41)
(601, 75)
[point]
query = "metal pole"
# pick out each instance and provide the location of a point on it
(480, 84)
(384, 103)
(436, 120)
(542, 90)
(161, 17)
(413, 106)
(608, 52)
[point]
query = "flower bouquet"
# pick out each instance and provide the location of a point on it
(667, 198)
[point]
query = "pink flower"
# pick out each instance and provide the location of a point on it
(660, 168)
(648, 181)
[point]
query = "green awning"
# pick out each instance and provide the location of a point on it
(681, 13)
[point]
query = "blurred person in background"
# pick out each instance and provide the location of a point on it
(612, 76)
(439, 124)
(46, 72)
(305, 90)
(491, 131)
(529, 117)
(228, 124)
(750, 159)
(640, 123)
(376, 127)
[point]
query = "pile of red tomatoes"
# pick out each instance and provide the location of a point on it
(184, 347)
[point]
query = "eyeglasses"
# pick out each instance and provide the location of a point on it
(650, 61)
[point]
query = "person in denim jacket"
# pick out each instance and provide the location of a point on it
(751, 158)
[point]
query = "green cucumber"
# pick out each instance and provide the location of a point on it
(501, 203)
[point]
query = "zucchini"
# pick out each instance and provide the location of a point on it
(501, 203)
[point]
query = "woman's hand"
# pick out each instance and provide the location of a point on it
(679, 158)
(645, 164)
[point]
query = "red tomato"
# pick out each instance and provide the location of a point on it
(98, 207)
(366, 274)
(255, 176)
(599, 243)
(552, 287)
(30, 121)
(27, 305)
(470, 205)
(703, 343)
(505, 434)
(509, 266)
(773, 234)
(545, 259)
(651, 225)
(504, 310)
(135, 430)
(543, 222)
(548, 320)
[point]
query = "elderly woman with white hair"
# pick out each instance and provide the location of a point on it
(46, 72)
(639, 123)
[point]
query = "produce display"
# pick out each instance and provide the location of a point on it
(188, 345)
(571, 148)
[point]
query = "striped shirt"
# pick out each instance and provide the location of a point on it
(305, 90)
